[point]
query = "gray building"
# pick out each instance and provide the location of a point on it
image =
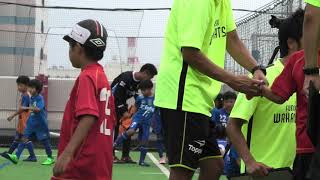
(21, 41)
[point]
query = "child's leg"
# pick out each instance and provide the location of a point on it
(25, 142)
(47, 146)
(29, 146)
(160, 146)
(143, 152)
(15, 143)
(124, 136)
(143, 137)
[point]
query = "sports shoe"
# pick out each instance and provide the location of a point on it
(11, 157)
(4, 152)
(31, 159)
(116, 160)
(48, 161)
(128, 160)
(144, 164)
(163, 160)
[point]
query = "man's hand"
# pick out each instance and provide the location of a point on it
(257, 169)
(246, 85)
(61, 164)
(10, 118)
(258, 75)
(308, 78)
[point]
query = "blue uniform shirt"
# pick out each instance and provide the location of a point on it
(220, 116)
(142, 118)
(37, 123)
(25, 100)
(145, 109)
(38, 119)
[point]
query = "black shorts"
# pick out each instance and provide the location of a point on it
(188, 138)
(301, 166)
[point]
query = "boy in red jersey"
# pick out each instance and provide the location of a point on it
(290, 81)
(85, 147)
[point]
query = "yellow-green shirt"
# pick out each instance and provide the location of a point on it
(313, 2)
(272, 136)
(202, 24)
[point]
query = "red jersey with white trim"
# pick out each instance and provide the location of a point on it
(91, 95)
(286, 84)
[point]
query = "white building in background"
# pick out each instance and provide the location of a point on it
(20, 48)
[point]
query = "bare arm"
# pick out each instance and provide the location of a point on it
(81, 132)
(199, 61)
(267, 92)
(236, 137)
(196, 59)
(239, 52)
(238, 140)
(19, 111)
(34, 109)
(311, 33)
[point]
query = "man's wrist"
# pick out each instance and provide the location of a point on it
(311, 71)
(259, 67)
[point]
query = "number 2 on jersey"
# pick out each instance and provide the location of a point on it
(104, 96)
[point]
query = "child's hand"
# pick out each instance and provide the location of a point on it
(61, 164)
(10, 118)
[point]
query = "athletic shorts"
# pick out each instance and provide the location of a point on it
(40, 134)
(18, 136)
(188, 138)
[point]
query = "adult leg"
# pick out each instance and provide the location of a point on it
(211, 168)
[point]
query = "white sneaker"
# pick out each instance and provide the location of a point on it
(163, 160)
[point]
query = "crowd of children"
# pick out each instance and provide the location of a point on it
(32, 122)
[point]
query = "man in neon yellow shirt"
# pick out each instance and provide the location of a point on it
(269, 128)
(311, 30)
(197, 36)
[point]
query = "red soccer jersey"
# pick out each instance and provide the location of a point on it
(286, 84)
(91, 95)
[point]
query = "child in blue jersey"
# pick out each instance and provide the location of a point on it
(141, 120)
(22, 86)
(220, 117)
(36, 125)
(157, 129)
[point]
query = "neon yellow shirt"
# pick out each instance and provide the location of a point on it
(313, 2)
(272, 139)
(203, 25)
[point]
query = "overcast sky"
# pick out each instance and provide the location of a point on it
(149, 25)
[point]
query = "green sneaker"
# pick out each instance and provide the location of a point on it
(48, 161)
(11, 157)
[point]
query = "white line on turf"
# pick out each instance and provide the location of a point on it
(163, 169)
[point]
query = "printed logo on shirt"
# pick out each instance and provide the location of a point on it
(218, 31)
(223, 120)
(287, 117)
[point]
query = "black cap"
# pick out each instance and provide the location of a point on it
(89, 33)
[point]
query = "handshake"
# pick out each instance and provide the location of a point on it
(255, 86)
(250, 86)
